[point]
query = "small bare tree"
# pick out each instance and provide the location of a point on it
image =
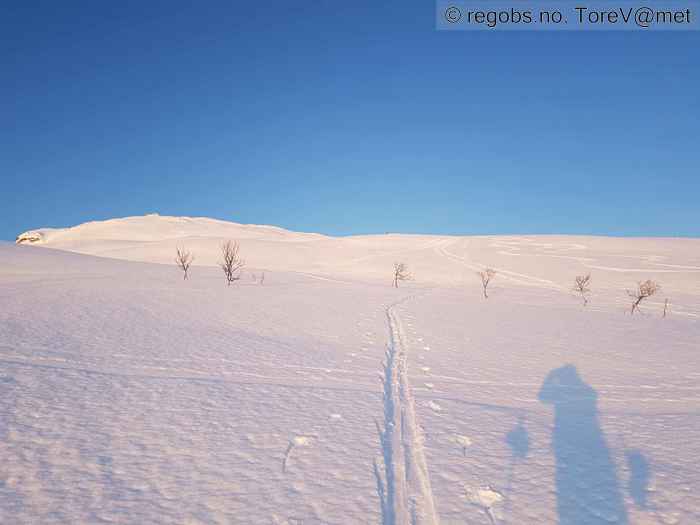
(486, 277)
(231, 262)
(581, 286)
(644, 289)
(184, 261)
(401, 273)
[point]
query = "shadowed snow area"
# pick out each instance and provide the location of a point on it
(326, 396)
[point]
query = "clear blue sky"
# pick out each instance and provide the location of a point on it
(342, 117)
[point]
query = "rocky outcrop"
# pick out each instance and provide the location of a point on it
(30, 237)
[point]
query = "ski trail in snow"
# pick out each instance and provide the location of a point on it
(518, 278)
(323, 278)
(407, 498)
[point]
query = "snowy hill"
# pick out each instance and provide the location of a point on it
(324, 395)
(548, 262)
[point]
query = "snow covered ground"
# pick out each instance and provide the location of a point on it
(324, 395)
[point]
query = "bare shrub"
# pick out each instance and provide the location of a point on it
(184, 259)
(665, 307)
(231, 262)
(581, 286)
(401, 273)
(262, 278)
(486, 276)
(644, 289)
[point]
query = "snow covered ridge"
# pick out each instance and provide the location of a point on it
(548, 262)
(155, 227)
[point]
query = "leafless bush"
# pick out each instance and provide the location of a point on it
(581, 286)
(231, 262)
(262, 278)
(644, 289)
(401, 273)
(486, 277)
(665, 307)
(184, 261)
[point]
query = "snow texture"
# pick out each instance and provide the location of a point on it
(326, 396)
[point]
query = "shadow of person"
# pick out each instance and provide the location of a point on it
(639, 477)
(588, 491)
(518, 440)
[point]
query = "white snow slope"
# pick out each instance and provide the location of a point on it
(324, 395)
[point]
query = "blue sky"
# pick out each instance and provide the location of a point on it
(343, 117)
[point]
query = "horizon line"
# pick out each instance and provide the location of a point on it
(370, 233)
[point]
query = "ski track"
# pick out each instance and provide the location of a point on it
(529, 280)
(425, 246)
(322, 278)
(406, 495)
(518, 278)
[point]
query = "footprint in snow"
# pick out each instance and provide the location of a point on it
(435, 407)
(486, 498)
(301, 441)
(296, 441)
(462, 441)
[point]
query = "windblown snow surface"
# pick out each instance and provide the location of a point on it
(324, 395)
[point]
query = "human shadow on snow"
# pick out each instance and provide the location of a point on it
(640, 473)
(587, 488)
(518, 440)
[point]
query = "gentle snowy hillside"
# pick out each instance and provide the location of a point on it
(544, 262)
(324, 395)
